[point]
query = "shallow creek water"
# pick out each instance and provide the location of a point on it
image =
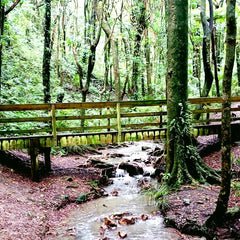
(85, 222)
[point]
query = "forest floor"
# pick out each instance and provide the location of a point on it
(191, 205)
(33, 210)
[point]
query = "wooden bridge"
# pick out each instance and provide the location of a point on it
(38, 127)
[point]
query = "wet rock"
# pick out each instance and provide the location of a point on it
(118, 216)
(157, 151)
(132, 168)
(139, 160)
(146, 174)
(160, 161)
(104, 180)
(107, 169)
(144, 148)
(158, 172)
(117, 155)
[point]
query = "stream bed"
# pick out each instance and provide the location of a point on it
(88, 222)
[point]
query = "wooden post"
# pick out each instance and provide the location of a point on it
(54, 129)
(47, 158)
(160, 117)
(33, 152)
(109, 121)
(119, 137)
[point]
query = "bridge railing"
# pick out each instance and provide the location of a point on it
(58, 120)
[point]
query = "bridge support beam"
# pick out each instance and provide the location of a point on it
(33, 152)
(47, 158)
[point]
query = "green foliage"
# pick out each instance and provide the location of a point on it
(181, 124)
(236, 187)
(159, 193)
(83, 197)
(58, 151)
(23, 50)
(93, 183)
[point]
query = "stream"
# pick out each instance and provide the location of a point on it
(87, 222)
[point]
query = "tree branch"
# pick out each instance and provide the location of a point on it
(12, 7)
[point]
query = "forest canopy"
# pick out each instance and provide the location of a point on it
(103, 49)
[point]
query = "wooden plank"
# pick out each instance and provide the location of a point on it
(145, 114)
(24, 107)
(30, 119)
(86, 117)
(140, 125)
(29, 131)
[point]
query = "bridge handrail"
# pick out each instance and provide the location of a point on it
(115, 112)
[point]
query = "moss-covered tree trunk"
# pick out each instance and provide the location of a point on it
(47, 52)
(139, 23)
(177, 76)
(183, 163)
(223, 197)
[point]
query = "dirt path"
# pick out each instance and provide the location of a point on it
(31, 210)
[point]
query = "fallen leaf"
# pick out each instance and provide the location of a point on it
(144, 217)
(122, 234)
(114, 193)
(126, 221)
(109, 223)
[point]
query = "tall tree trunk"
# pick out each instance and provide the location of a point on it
(64, 6)
(183, 163)
(177, 76)
(58, 44)
(207, 29)
(47, 52)
(223, 197)
(139, 22)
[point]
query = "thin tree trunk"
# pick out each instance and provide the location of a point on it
(47, 52)
(215, 61)
(206, 49)
(223, 197)
(58, 45)
(238, 63)
(2, 20)
(148, 64)
(114, 48)
(63, 3)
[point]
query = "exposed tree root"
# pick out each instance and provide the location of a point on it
(80, 150)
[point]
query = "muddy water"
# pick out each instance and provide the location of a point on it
(85, 223)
